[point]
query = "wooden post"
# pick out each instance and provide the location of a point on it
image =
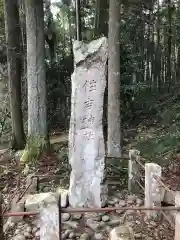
(1, 218)
(133, 170)
(177, 217)
(152, 188)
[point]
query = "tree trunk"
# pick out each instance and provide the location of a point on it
(169, 74)
(78, 21)
(114, 118)
(37, 109)
(101, 26)
(13, 37)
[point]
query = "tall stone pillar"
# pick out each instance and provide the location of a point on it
(86, 142)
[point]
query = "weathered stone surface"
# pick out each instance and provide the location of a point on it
(64, 196)
(19, 237)
(49, 221)
(85, 236)
(17, 207)
(122, 232)
(86, 142)
(33, 184)
(33, 201)
(177, 217)
(152, 188)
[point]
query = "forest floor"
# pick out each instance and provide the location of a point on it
(158, 140)
(49, 164)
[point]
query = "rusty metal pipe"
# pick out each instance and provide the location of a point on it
(17, 214)
(111, 209)
(108, 209)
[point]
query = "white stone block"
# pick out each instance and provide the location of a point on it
(152, 188)
(49, 222)
(33, 201)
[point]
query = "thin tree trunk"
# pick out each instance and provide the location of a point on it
(37, 109)
(78, 21)
(169, 74)
(13, 39)
(101, 27)
(114, 118)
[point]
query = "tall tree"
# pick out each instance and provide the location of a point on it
(37, 109)
(114, 117)
(50, 31)
(169, 47)
(101, 18)
(78, 21)
(13, 39)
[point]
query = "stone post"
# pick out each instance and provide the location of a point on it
(152, 188)
(86, 141)
(49, 221)
(1, 218)
(133, 169)
(177, 217)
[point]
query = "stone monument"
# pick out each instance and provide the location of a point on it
(86, 141)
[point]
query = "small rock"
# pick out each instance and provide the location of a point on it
(111, 202)
(65, 217)
(78, 234)
(46, 189)
(139, 202)
(19, 237)
(85, 236)
(66, 233)
(138, 235)
(35, 229)
(97, 218)
(71, 224)
(118, 194)
(35, 222)
(5, 190)
(105, 218)
(114, 222)
(119, 211)
(77, 216)
(29, 229)
(72, 235)
(124, 230)
(101, 214)
(153, 223)
(131, 199)
(122, 203)
(116, 200)
(102, 224)
(37, 234)
(17, 231)
(98, 236)
(108, 229)
(27, 234)
(92, 224)
(130, 212)
(20, 224)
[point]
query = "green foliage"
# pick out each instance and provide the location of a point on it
(59, 91)
(155, 147)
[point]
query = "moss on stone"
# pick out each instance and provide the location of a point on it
(34, 147)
